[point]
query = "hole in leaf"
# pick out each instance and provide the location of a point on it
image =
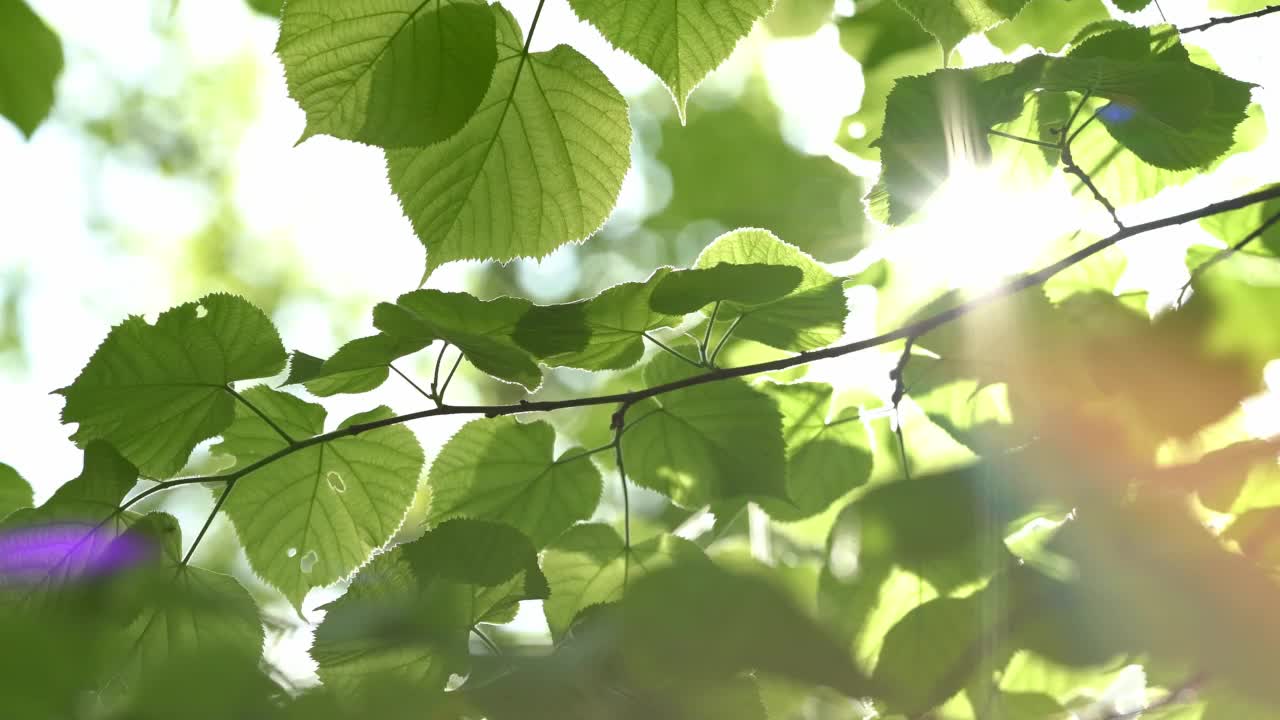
(291, 552)
(309, 561)
(335, 482)
(201, 311)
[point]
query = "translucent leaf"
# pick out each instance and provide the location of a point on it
(407, 614)
(586, 567)
(189, 611)
(311, 517)
(33, 54)
(1169, 111)
(359, 366)
(932, 652)
(613, 322)
(480, 329)
(683, 625)
(797, 18)
(156, 391)
(1047, 24)
(681, 43)
(827, 456)
(15, 493)
(684, 291)
(1132, 5)
(714, 441)
(809, 199)
(505, 471)
(392, 73)
(951, 21)
(809, 316)
(69, 537)
(539, 165)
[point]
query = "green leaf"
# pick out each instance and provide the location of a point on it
(156, 391)
(589, 566)
(1131, 5)
(539, 165)
(1233, 227)
(382, 628)
(714, 441)
(1167, 110)
(480, 329)
(685, 626)
(392, 73)
(74, 528)
(810, 199)
(684, 291)
(313, 516)
(681, 43)
(270, 8)
(506, 471)
(811, 315)
(797, 18)
(189, 612)
(31, 55)
(15, 493)
(936, 125)
(951, 21)
(614, 323)
(359, 366)
(827, 455)
(407, 613)
(1048, 24)
(932, 652)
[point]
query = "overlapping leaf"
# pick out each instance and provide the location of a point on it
(505, 471)
(680, 41)
(614, 324)
(538, 165)
(156, 391)
(481, 330)
(714, 441)
(684, 291)
(309, 518)
(808, 316)
(951, 21)
(589, 565)
(392, 73)
(407, 614)
(31, 55)
(827, 456)
(359, 366)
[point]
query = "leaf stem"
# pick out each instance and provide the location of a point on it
(407, 379)
(207, 523)
(671, 350)
(449, 378)
(706, 338)
(711, 362)
(435, 373)
(493, 646)
(279, 431)
(1027, 140)
(619, 424)
(1226, 253)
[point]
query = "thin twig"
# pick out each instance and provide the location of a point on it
(1226, 253)
(706, 338)
(671, 350)
(711, 361)
(1230, 19)
(279, 431)
(1027, 140)
(407, 379)
(899, 391)
(449, 378)
(1069, 164)
(619, 424)
(207, 523)
(915, 329)
(435, 373)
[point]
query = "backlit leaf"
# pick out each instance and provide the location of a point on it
(31, 55)
(313, 516)
(951, 21)
(392, 73)
(684, 291)
(359, 366)
(156, 391)
(15, 493)
(538, 165)
(505, 471)
(681, 42)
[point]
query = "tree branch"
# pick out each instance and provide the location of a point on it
(1226, 253)
(626, 399)
(1229, 19)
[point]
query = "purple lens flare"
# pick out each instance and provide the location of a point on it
(68, 551)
